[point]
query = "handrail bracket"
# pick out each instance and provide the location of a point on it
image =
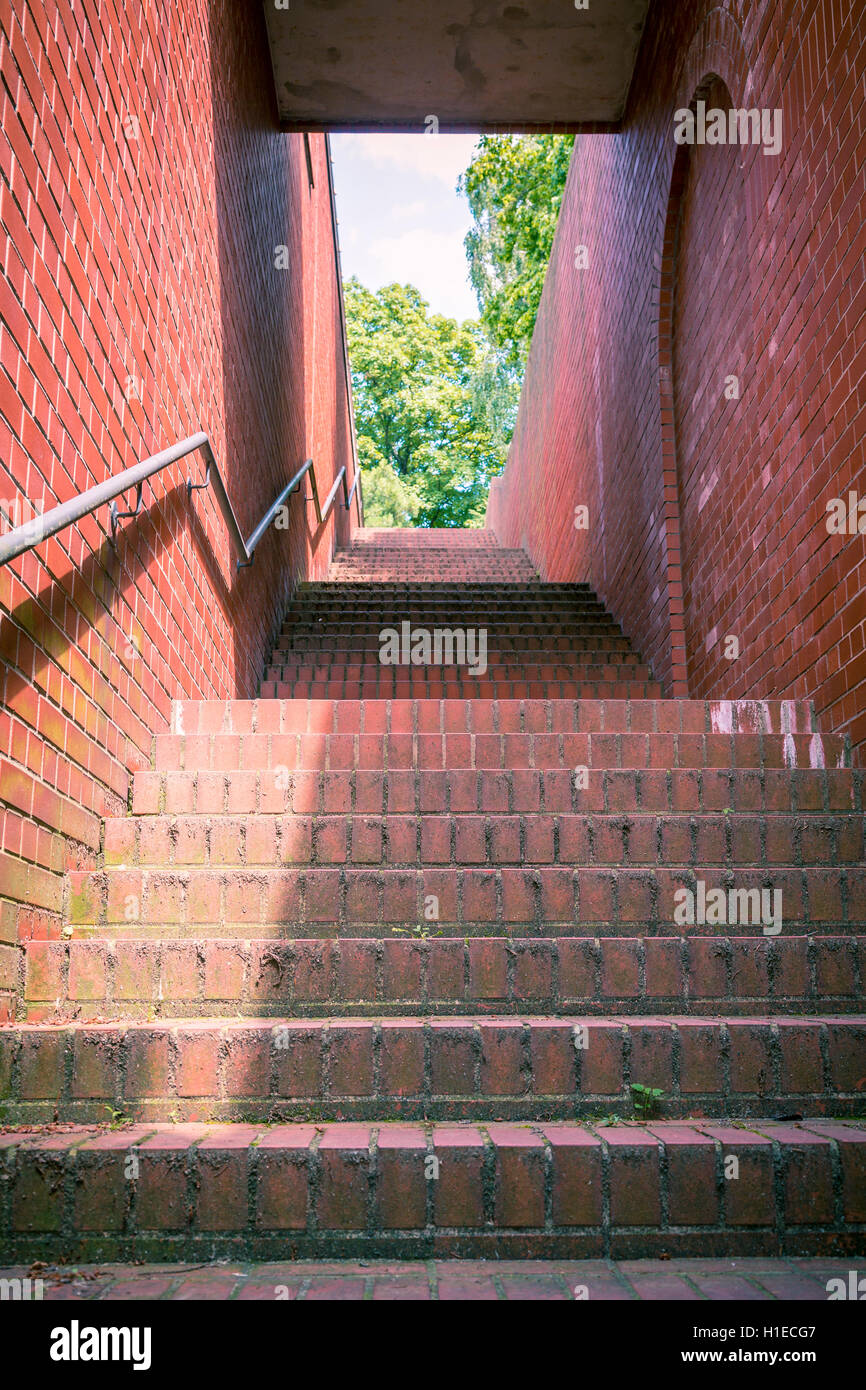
(192, 487)
(117, 516)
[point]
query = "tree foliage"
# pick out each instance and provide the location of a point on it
(425, 437)
(436, 400)
(514, 186)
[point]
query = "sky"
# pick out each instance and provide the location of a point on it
(400, 217)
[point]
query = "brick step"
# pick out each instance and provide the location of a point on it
(383, 684)
(433, 586)
(170, 1192)
(489, 791)
(357, 1280)
(441, 581)
(258, 1069)
(462, 571)
(367, 670)
(438, 541)
(509, 665)
(441, 597)
(366, 619)
(606, 672)
(513, 631)
(706, 839)
(503, 603)
(440, 547)
(559, 901)
(355, 649)
(707, 975)
(421, 539)
(372, 563)
(435, 577)
(412, 538)
(390, 612)
(515, 645)
(471, 614)
(717, 717)
(491, 571)
(495, 751)
(466, 594)
(434, 552)
(345, 633)
(443, 594)
(348, 628)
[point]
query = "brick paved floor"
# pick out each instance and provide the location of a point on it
(680, 1279)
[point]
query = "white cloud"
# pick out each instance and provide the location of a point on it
(434, 262)
(441, 157)
(407, 210)
(401, 218)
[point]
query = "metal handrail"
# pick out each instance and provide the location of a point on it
(26, 537)
(352, 494)
(322, 512)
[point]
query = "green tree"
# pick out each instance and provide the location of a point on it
(427, 440)
(514, 186)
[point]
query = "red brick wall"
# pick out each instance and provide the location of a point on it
(708, 516)
(712, 343)
(144, 190)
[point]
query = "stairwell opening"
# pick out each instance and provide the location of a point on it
(445, 241)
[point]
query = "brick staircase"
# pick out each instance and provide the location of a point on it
(375, 959)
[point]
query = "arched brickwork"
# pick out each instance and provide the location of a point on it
(716, 48)
(671, 519)
(704, 373)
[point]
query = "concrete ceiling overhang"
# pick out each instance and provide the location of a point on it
(391, 64)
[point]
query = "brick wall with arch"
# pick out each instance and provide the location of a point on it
(708, 513)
